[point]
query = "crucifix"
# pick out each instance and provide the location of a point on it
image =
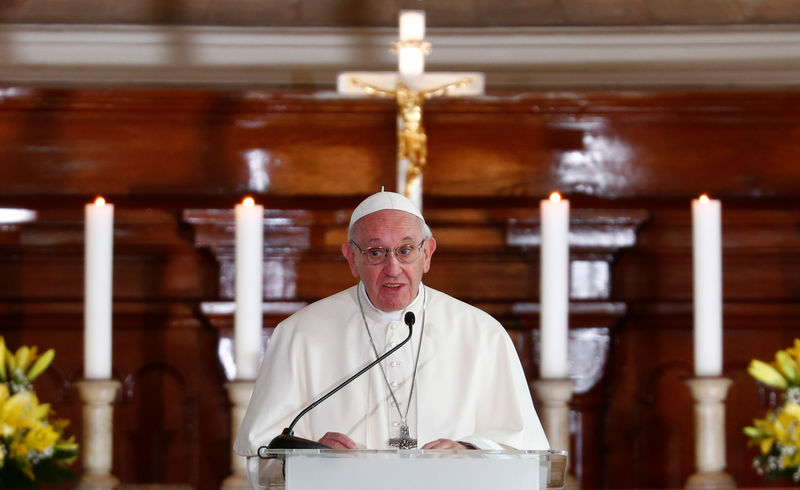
(410, 86)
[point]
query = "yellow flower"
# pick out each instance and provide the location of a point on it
(10, 361)
(18, 412)
(795, 351)
(22, 357)
(40, 412)
(19, 452)
(767, 374)
(4, 393)
(790, 460)
(40, 438)
(787, 365)
(793, 409)
(778, 433)
(785, 428)
(764, 434)
(3, 358)
(41, 364)
(29, 436)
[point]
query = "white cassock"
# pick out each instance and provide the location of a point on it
(469, 385)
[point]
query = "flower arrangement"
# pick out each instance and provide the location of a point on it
(33, 449)
(778, 434)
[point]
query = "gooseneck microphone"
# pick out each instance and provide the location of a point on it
(287, 439)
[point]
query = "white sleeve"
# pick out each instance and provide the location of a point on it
(508, 418)
(481, 442)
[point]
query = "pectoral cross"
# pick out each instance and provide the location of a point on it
(410, 87)
(404, 441)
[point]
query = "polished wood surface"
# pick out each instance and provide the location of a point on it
(174, 162)
(440, 13)
(290, 146)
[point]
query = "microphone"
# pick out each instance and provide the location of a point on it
(287, 439)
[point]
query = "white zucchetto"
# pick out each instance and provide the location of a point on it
(384, 200)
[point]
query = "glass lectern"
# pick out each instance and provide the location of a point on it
(396, 469)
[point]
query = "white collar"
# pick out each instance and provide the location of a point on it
(389, 316)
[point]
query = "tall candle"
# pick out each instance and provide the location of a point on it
(707, 262)
(249, 288)
(411, 58)
(412, 25)
(98, 266)
(554, 286)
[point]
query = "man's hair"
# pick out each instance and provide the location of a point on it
(426, 230)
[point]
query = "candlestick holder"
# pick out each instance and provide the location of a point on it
(554, 395)
(98, 430)
(709, 438)
(239, 393)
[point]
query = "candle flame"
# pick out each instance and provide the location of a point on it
(99, 201)
(248, 202)
(555, 197)
(703, 198)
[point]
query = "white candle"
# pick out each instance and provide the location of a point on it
(98, 266)
(707, 261)
(411, 58)
(249, 288)
(410, 62)
(412, 25)
(554, 286)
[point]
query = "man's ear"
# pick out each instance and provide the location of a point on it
(427, 250)
(350, 255)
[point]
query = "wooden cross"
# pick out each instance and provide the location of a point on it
(410, 86)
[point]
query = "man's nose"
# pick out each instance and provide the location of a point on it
(392, 264)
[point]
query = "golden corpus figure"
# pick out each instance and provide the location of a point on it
(412, 143)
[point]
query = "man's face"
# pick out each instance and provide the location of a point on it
(391, 285)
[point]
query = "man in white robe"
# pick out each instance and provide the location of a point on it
(456, 384)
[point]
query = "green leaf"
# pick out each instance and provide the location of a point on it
(52, 474)
(754, 432)
(65, 451)
(13, 477)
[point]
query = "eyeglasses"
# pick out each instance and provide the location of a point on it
(404, 253)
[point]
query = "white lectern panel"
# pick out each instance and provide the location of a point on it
(419, 469)
(308, 472)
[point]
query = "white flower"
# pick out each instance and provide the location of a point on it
(793, 394)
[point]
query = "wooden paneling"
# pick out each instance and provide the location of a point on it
(221, 144)
(171, 418)
(440, 13)
(630, 162)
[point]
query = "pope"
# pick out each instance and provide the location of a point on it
(457, 384)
